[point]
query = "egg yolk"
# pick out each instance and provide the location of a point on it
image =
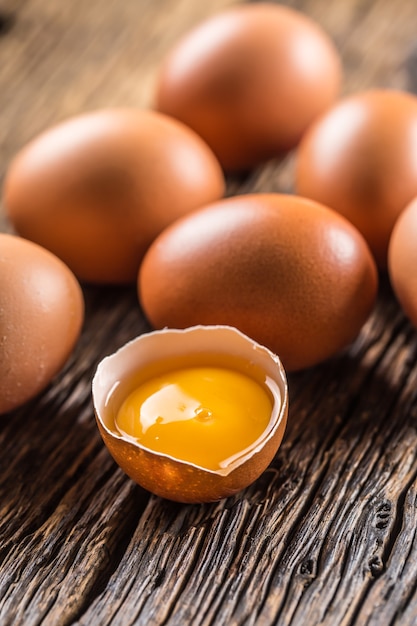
(201, 415)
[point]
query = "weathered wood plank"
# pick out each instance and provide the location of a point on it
(328, 534)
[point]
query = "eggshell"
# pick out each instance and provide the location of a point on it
(163, 474)
(98, 188)
(294, 275)
(41, 315)
(250, 80)
(360, 159)
(402, 260)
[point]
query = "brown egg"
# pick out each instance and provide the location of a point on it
(402, 260)
(165, 474)
(360, 159)
(98, 188)
(250, 80)
(294, 275)
(41, 314)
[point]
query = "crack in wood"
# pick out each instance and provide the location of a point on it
(7, 21)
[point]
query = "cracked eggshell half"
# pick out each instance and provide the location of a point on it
(163, 474)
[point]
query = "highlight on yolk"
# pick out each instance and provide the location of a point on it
(201, 415)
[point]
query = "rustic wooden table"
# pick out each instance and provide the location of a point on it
(328, 534)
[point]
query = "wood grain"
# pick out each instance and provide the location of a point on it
(327, 535)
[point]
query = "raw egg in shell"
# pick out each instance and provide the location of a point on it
(291, 273)
(402, 260)
(96, 189)
(41, 316)
(360, 159)
(192, 415)
(250, 80)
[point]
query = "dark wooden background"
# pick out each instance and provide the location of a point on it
(328, 534)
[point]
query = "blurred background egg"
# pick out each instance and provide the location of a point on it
(96, 189)
(402, 260)
(360, 158)
(41, 315)
(291, 274)
(250, 80)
